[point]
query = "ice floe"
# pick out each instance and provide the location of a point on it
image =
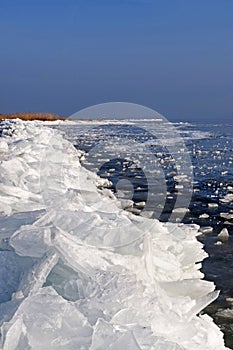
(224, 235)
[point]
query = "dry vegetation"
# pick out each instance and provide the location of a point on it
(32, 116)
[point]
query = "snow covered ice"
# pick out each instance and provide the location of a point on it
(85, 273)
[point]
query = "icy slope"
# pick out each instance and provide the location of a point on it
(87, 274)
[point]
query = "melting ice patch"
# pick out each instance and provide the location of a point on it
(86, 274)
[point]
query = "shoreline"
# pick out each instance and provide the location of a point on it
(32, 116)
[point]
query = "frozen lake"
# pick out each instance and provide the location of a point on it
(67, 234)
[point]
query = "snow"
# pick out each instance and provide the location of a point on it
(86, 274)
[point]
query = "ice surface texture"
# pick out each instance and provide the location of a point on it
(88, 274)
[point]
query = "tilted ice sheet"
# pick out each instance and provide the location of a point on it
(96, 276)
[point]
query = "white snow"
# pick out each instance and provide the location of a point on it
(96, 276)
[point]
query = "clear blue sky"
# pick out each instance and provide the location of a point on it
(175, 56)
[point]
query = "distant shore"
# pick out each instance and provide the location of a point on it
(32, 116)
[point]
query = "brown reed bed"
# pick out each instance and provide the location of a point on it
(32, 116)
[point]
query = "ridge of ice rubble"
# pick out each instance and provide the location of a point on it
(71, 280)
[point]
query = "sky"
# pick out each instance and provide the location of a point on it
(174, 56)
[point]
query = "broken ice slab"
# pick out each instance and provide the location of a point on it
(10, 224)
(31, 240)
(46, 320)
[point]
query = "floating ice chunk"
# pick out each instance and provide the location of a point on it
(140, 204)
(229, 300)
(135, 211)
(179, 187)
(180, 210)
(206, 229)
(227, 313)
(204, 216)
(227, 199)
(227, 216)
(126, 203)
(213, 205)
(180, 178)
(223, 235)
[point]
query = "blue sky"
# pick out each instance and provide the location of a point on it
(175, 56)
